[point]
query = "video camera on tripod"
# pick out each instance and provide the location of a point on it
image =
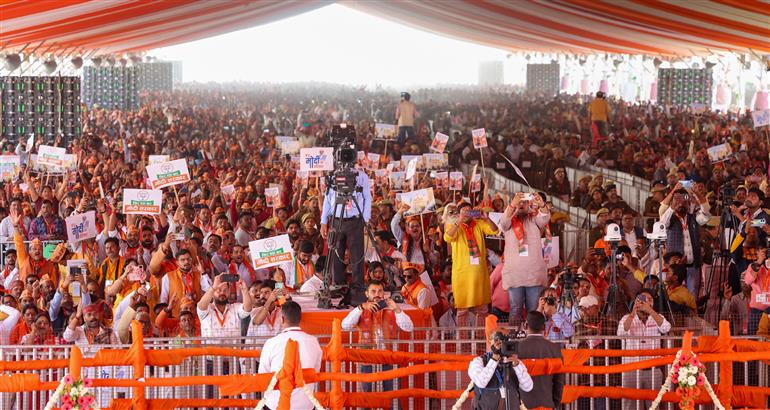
(343, 139)
(510, 343)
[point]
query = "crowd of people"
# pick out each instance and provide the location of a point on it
(451, 265)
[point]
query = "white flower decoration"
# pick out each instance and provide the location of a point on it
(691, 380)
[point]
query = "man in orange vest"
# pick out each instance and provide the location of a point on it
(377, 322)
(32, 261)
(417, 294)
(183, 282)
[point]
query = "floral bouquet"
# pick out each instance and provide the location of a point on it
(687, 374)
(74, 395)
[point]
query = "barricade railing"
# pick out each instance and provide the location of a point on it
(420, 379)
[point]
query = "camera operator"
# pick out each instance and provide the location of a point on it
(351, 234)
(558, 325)
(567, 282)
(683, 230)
(493, 381)
(547, 389)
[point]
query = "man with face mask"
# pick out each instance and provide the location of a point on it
(642, 321)
(683, 231)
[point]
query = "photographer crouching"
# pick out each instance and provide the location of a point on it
(495, 386)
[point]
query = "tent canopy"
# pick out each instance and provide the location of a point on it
(668, 27)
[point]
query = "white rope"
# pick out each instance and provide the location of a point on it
(270, 387)
(667, 385)
(55, 396)
(463, 397)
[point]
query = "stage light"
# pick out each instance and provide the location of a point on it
(77, 62)
(617, 62)
(709, 64)
(50, 66)
(12, 61)
(123, 62)
(97, 61)
(657, 62)
(135, 60)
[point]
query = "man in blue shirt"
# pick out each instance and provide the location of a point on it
(351, 232)
(557, 325)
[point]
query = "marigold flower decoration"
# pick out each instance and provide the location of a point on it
(74, 395)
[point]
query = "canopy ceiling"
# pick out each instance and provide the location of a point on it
(669, 27)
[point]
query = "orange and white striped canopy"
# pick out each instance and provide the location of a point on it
(667, 27)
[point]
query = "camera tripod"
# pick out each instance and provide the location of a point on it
(332, 243)
(662, 304)
(721, 261)
(614, 295)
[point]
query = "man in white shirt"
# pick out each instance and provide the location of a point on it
(489, 379)
(377, 324)
(310, 354)
(6, 226)
(642, 321)
(10, 271)
(219, 318)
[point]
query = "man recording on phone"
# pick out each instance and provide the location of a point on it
(498, 375)
(378, 319)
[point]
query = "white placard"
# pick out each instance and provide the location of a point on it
(761, 118)
(496, 217)
(719, 152)
(435, 161)
(372, 161)
(550, 251)
(479, 136)
(290, 147)
(81, 226)
(9, 167)
(440, 179)
(397, 180)
(406, 158)
(385, 131)
(142, 201)
(456, 181)
(439, 142)
(411, 168)
(228, 192)
(157, 159)
(316, 159)
(51, 156)
(271, 251)
(273, 197)
(168, 174)
(420, 201)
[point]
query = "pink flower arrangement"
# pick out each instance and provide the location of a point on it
(88, 382)
(687, 375)
(67, 379)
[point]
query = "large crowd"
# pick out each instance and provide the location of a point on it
(165, 271)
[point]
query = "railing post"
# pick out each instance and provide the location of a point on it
(725, 388)
(336, 351)
(139, 360)
(76, 362)
(286, 376)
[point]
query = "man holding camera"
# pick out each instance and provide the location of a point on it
(494, 384)
(558, 325)
(547, 389)
(683, 230)
(378, 319)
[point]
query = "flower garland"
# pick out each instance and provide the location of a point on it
(688, 374)
(76, 395)
(271, 387)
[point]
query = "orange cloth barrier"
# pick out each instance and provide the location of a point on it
(317, 323)
(721, 349)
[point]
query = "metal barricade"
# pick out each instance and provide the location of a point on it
(467, 341)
